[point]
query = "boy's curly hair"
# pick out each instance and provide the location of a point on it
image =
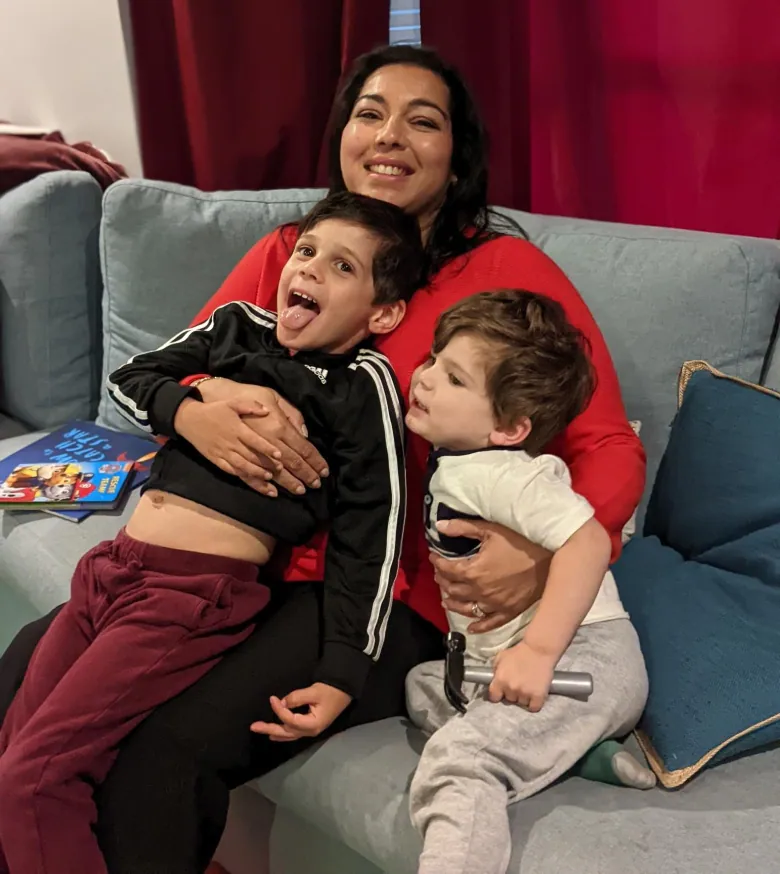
(537, 364)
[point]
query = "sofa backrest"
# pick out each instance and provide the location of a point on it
(660, 296)
(50, 336)
(165, 249)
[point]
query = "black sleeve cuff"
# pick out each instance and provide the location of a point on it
(165, 403)
(344, 667)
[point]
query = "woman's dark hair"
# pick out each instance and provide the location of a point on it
(465, 221)
(398, 268)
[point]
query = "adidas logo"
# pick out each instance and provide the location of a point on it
(319, 372)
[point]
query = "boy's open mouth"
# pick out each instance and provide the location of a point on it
(300, 311)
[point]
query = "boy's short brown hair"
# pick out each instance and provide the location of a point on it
(399, 261)
(537, 364)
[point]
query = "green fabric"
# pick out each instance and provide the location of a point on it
(596, 764)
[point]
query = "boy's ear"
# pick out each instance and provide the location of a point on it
(513, 435)
(386, 317)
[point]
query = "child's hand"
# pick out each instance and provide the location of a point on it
(522, 676)
(325, 703)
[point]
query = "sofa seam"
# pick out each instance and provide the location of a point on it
(204, 196)
(106, 314)
(766, 364)
(48, 198)
(697, 236)
(748, 283)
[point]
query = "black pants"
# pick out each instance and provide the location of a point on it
(164, 804)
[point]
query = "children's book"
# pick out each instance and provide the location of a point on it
(93, 485)
(83, 441)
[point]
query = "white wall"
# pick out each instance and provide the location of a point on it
(64, 64)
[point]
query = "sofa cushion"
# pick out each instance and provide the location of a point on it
(50, 299)
(355, 786)
(165, 250)
(719, 481)
(703, 586)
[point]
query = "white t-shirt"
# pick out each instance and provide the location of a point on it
(532, 496)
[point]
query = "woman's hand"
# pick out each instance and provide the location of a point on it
(522, 676)
(504, 578)
(282, 448)
(219, 431)
(325, 703)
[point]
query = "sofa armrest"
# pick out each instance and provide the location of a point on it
(50, 290)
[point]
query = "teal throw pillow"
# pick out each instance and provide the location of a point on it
(702, 585)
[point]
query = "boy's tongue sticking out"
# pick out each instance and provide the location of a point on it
(301, 310)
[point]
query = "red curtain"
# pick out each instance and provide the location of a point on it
(489, 44)
(236, 93)
(651, 111)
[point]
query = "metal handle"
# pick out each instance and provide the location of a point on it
(572, 684)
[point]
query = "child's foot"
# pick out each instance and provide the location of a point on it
(610, 763)
(631, 772)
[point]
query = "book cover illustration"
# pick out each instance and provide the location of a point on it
(72, 484)
(84, 441)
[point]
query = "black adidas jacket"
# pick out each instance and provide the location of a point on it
(353, 410)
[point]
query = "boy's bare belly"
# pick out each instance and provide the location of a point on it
(163, 519)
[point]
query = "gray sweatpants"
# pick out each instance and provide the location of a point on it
(495, 754)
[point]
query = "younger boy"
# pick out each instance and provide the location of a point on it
(155, 609)
(507, 374)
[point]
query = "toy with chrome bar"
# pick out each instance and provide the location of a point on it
(572, 684)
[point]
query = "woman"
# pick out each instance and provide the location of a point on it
(405, 130)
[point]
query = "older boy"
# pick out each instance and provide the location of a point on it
(154, 609)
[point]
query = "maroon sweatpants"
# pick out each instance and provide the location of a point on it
(143, 623)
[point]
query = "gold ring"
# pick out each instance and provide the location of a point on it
(477, 612)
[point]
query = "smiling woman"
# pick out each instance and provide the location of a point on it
(398, 146)
(405, 129)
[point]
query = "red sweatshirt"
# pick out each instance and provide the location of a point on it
(606, 459)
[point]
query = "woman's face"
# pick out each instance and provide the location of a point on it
(397, 144)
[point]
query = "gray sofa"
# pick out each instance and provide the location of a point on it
(660, 296)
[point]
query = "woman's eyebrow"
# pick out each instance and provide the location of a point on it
(421, 101)
(417, 101)
(377, 98)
